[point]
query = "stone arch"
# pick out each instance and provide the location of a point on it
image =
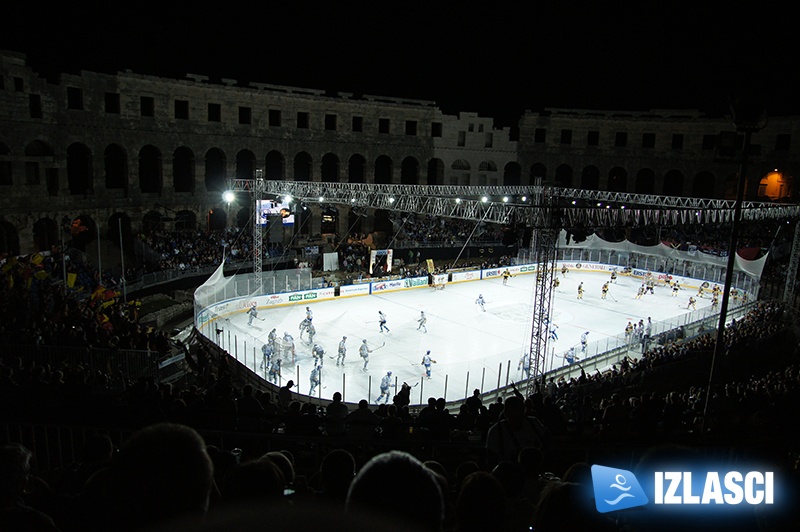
(9, 238)
(564, 175)
(673, 183)
(590, 178)
(183, 169)
(243, 217)
(115, 164)
(152, 222)
(355, 221)
(357, 169)
(329, 220)
(703, 185)
(645, 181)
(537, 170)
(45, 234)
(617, 179)
(217, 219)
(79, 169)
(6, 168)
(185, 220)
(383, 170)
(83, 231)
(330, 168)
(302, 167)
(150, 170)
(512, 174)
(245, 165)
(435, 172)
(119, 224)
(274, 166)
(216, 170)
(37, 154)
(409, 171)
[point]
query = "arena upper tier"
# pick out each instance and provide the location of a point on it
(155, 152)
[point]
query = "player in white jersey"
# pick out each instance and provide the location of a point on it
(427, 361)
(480, 302)
(382, 321)
(319, 354)
(386, 383)
(422, 321)
(364, 352)
(309, 314)
(525, 365)
(584, 341)
(340, 354)
(252, 313)
(288, 346)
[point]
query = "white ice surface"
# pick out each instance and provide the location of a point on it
(470, 346)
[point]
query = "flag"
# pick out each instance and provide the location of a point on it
(430, 265)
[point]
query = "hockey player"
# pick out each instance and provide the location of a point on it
(613, 276)
(700, 291)
(275, 371)
(386, 382)
(422, 321)
(426, 361)
(312, 331)
(692, 304)
(553, 332)
(584, 341)
(651, 283)
(604, 290)
(570, 357)
(309, 314)
(580, 290)
(318, 353)
(556, 282)
(382, 321)
(675, 287)
(629, 332)
(252, 313)
(525, 365)
(640, 292)
(506, 275)
(364, 352)
(304, 325)
(272, 338)
(340, 354)
(288, 346)
(564, 270)
(314, 378)
(266, 351)
(714, 302)
(480, 302)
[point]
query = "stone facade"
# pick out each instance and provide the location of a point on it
(143, 148)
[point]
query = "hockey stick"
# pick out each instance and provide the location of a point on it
(383, 344)
(612, 297)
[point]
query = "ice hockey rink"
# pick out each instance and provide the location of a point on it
(472, 348)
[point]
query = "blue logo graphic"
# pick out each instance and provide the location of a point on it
(616, 489)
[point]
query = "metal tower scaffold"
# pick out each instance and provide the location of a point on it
(543, 251)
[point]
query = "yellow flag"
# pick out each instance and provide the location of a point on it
(430, 265)
(71, 278)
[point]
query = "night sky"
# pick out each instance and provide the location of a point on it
(497, 62)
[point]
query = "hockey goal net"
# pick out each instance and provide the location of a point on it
(439, 281)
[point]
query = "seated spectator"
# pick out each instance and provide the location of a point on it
(396, 486)
(162, 473)
(15, 479)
